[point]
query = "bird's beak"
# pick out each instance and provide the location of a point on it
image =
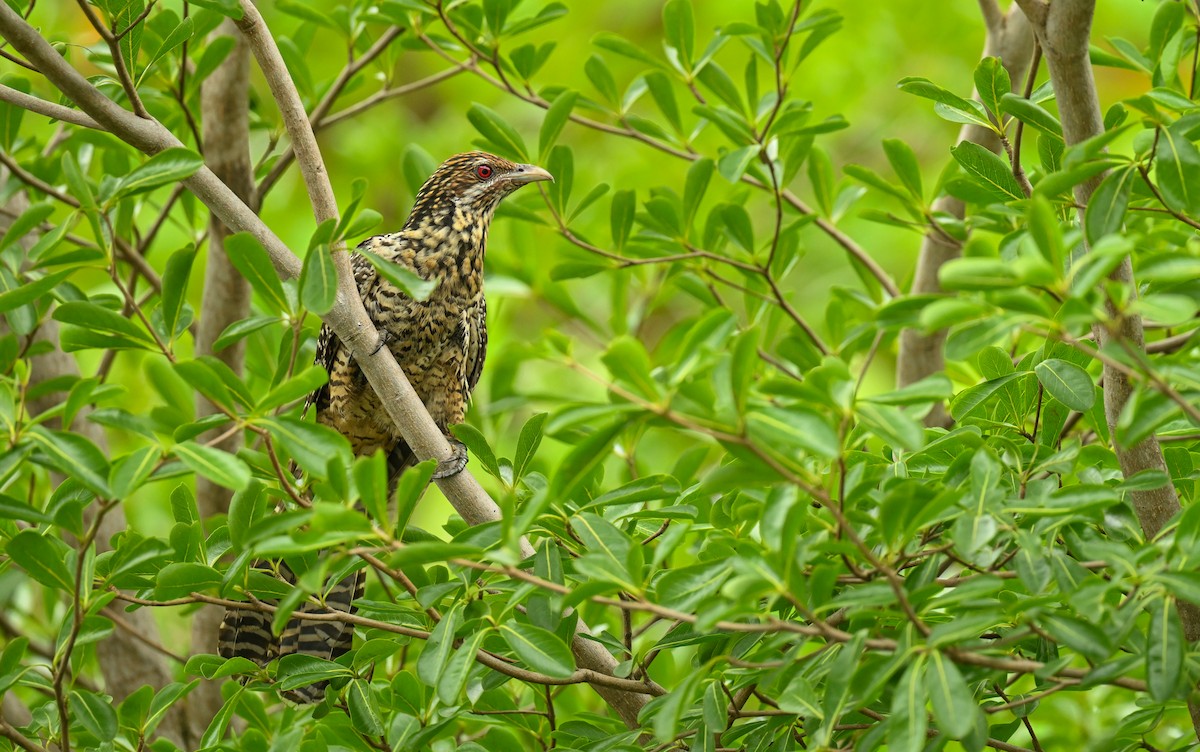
(527, 173)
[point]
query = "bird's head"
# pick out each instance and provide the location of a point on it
(474, 183)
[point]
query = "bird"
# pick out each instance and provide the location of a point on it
(440, 343)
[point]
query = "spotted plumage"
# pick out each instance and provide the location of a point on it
(440, 342)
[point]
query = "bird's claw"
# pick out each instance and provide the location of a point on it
(384, 336)
(454, 464)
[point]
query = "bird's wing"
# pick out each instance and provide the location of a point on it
(475, 341)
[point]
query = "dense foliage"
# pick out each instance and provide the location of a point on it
(686, 411)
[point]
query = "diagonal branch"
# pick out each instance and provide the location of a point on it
(462, 489)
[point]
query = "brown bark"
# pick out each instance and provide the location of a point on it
(1009, 38)
(225, 118)
(1063, 28)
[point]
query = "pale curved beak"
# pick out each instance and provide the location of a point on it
(527, 173)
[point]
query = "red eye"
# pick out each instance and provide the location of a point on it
(483, 171)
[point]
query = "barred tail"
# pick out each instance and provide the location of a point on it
(246, 632)
(320, 638)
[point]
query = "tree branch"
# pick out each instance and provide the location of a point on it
(1063, 29)
(462, 489)
(49, 109)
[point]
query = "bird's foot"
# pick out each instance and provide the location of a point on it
(384, 336)
(455, 463)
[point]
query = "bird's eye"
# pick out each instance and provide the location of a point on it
(483, 171)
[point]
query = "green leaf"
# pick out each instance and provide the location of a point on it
(820, 174)
(714, 78)
(904, 162)
(875, 180)
(978, 273)
(496, 130)
(602, 78)
(907, 724)
(547, 14)
(556, 117)
(624, 205)
(629, 363)
(1031, 114)
(220, 722)
(663, 93)
(299, 670)
(364, 710)
(1081, 636)
(241, 329)
(180, 34)
(679, 28)
(616, 43)
(73, 455)
(132, 470)
(1177, 171)
(15, 509)
(478, 444)
(1067, 382)
(988, 167)
(99, 319)
(951, 106)
(733, 164)
(405, 280)
(439, 646)
(168, 166)
(1165, 648)
(409, 488)
(296, 388)
(249, 257)
(11, 115)
(540, 649)
(129, 43)
(1107, 208)
(954, 706)
(527, 443)
(686, 588)
(221, 468)
(318, 280)
(454, 678)
(738, 227)
(182, 578)
(698, 177)
(310, 444)
(894, 426)
(43, 558)
(792, 431)
(26, 223)
(31, 291)
(992, 82)
(94, 713)
(579, 463)
(174, 288)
